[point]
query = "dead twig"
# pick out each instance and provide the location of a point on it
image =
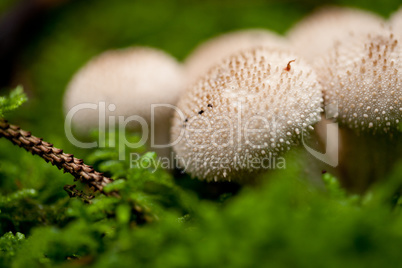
(76, 167)
(57, 157)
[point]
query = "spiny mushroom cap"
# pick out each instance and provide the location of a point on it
(362, 77)
(210, 52)
(250, 108)
(132, 79)
(314, 35)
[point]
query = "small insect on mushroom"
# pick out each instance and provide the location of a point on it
(288, 67)
(260, 112)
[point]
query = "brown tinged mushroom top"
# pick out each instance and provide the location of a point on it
(362, 82)
(250, 108)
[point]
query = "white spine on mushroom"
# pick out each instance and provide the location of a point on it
(315, 35)
(362, 78)
(253, 89)
(212, 51)
(132, 79)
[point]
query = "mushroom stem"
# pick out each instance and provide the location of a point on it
(57, 157)
(365, 159)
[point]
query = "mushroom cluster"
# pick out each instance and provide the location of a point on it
(249, 96)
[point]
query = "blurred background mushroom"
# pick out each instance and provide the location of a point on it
(212, 51)
(128, 82)
(313, 36)
(362, 87)
(396, 22)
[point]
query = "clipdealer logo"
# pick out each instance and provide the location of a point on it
(113, 123)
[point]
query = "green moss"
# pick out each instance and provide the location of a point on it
(285, 222)
(282, 221)
(13, 101)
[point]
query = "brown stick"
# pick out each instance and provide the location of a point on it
(76, 167)
(57, 157)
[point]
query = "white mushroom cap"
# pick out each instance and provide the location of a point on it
(396, 22)
(132, 79)
(362, 77)
(317, 33)
(253, 106)
(212, 51)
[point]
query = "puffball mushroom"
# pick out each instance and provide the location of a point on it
(362, 78)
(362, 85)
(130, 79)
(212, 51)
(250, 108)
(314, 35)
